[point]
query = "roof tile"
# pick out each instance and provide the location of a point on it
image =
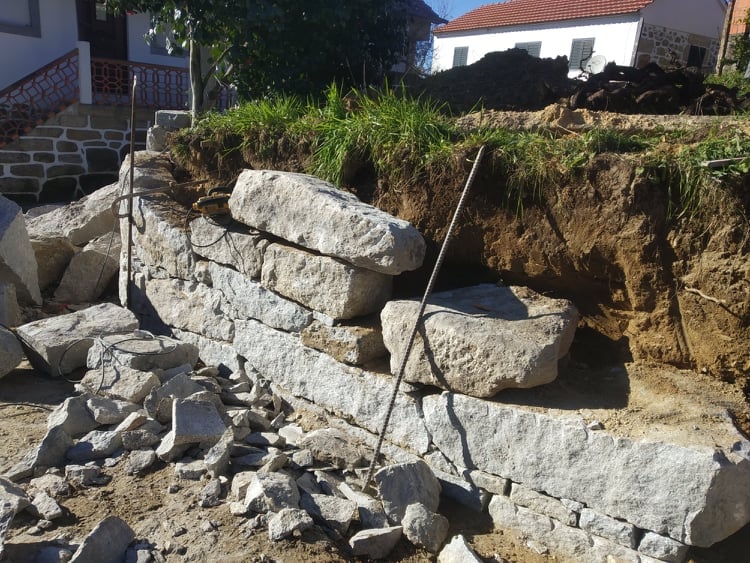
(520, 12)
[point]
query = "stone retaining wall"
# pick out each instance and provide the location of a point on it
(569, 487)
(71, 155)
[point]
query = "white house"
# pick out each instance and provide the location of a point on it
(626, 32)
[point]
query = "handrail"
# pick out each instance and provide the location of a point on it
(37, 96)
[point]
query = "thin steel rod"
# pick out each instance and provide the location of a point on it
(128, 284)
(420, 312)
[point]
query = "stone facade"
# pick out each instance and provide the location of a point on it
(669, 47)
(71, 155)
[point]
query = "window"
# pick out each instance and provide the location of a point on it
(20, 17)
(696, 56)
(580, 50)
(533, 48)
(460, 56)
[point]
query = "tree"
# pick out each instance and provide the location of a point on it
(297, 46)
(302, 46)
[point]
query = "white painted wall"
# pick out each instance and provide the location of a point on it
(702, 17)
(615, 39)
(140, 51)
(21, 55)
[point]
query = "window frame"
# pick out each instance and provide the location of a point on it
(460, 54)
(580, 44)
(533, 48)
(34, 29)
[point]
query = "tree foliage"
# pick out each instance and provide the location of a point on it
(302, 46)
(297, 46)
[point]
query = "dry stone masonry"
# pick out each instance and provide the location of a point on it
(287, 305)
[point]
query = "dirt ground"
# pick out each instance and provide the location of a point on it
(646, 402)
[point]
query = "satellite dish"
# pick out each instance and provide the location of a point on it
(595, 64)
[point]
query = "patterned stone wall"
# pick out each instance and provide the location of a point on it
(72, 154)
(670, 48)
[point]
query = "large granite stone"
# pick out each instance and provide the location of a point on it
(350, 344)
(10, 312)
(213, 353)
(353, 393)
(141, 351)
(17, 261)
(312, 213)
(696, 495)
(108, 541)
(324, 284)
(482, 339)
(120, 382)
(52, 258)
(159, 235)
(11, 352)
(90, 271)
(80, 221)
(58, 345)
(253, 301)
(191, 306)
(231, 244)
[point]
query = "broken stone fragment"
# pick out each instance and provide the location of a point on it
(287, 522)
(44, 506)
(458, 550)
(49, 453)
(17, 261)
(83, 475)
(196, 422)
(192, 470)
(11, 352)
(108, 541)
(142, 351)
(139, 461)
(425, 528)
(120, 382)
(350, 344)
(12, 496)
(376, 543)
(97, 444)
(315, 214)
(480, 340)
(110, 411)
(325, 284)
(58, 345)
(52, 257)
(371, 512)
(271, 492)
(80, 221)
(333, 446)
(73, 416)
(403, 484)
(335, 513)
(158, 403)
(90, 271)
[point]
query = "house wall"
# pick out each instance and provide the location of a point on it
(669, 27)
(72, 154)
(140, 51)
(699, 17)
(614, 38)
(21, 55)
(738, 25)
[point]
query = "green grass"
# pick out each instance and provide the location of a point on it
(406, 140)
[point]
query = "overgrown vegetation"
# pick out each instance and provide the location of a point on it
(403, 140)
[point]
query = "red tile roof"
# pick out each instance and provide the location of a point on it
(520, 12)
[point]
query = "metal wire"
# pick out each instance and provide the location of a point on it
(420, 312)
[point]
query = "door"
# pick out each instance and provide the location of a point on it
(105, 33)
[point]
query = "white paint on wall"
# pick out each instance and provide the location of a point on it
(613, 39)
(21, 55)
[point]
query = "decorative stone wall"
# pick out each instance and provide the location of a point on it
(670, 48)
(71, 155)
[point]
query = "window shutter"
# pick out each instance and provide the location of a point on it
(580, 50)
(460, 56)
(533, 48)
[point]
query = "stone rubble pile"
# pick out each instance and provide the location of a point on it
(288, 304)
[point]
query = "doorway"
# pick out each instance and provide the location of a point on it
(105, 33)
